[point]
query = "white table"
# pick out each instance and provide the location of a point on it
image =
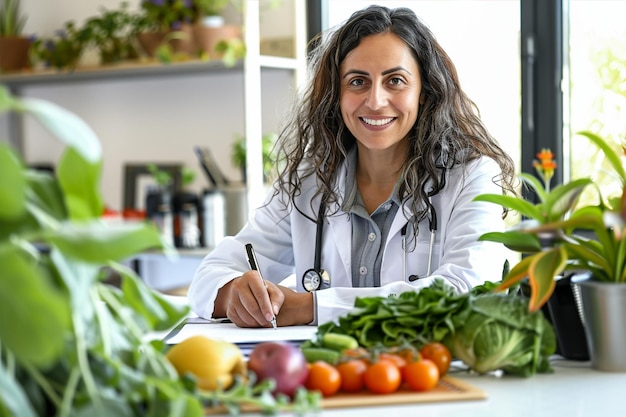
(573, 390)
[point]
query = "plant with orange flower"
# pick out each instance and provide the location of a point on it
(552, 234)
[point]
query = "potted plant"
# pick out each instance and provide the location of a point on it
(186, 209)
(210, 28)
(209, 12)
(112, 33)
(13, 45)
(170, 22)
(238, 154)
(61, 51)
(563, 237)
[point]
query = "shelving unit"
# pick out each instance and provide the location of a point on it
(251, 67)
(252, 82)
(155, 265)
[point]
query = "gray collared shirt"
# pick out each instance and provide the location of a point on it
(369, 232)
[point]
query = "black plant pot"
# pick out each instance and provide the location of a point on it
(562, 312)
(567, 322)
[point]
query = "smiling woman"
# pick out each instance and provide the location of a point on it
(380, 159)
(494, 83)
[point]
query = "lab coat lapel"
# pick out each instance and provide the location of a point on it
(340, 233)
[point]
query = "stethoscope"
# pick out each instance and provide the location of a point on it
(316, 278)
(432, 226)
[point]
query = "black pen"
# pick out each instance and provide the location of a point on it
(254, 265)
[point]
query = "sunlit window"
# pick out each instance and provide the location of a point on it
(597, 55)
(482, 38)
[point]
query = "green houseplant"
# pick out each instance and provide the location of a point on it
(238, 154)
(112, 33)
(13, 44)
(212, 36)
(11, 21)
(549, 237)
(589, 239)
(205, 8)
(71, 343)
(168, 26)
(61, 51)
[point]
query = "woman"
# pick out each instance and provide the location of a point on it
(379, 166)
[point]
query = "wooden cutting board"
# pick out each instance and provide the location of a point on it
(448, 389)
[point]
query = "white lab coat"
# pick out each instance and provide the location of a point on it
(284, 241)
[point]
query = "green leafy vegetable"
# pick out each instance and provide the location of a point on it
(486, 330)
(500, 333)
(411, 317)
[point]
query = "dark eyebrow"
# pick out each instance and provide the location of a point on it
(389, 71)
(354, 71)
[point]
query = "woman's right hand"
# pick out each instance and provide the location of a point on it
(249, 301)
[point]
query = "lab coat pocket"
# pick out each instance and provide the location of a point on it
(421, 259)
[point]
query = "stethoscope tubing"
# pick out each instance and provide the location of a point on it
(318, 249)
(432, 225)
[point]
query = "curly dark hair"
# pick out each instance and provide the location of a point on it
(448, 130)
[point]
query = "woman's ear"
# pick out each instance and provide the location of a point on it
(422, 99)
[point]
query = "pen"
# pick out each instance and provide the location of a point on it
(254, 265)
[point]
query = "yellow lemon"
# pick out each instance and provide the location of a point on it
(214, 363)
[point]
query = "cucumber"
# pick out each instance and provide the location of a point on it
(313, 354)
(339, 342)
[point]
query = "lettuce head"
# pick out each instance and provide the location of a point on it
(499, 333)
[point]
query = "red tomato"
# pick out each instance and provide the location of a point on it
(352, 375)
(323, 377)
(383, 377)
(396, 358)
(439, 354)
(421, 375)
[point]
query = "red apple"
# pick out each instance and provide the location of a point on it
(281, 361)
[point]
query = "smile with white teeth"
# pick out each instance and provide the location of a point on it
(377, 122)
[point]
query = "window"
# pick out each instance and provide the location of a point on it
(597, 87)
(487, 55)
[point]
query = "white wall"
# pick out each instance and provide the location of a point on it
(158, 119)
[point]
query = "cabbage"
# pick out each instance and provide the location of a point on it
(498, 332)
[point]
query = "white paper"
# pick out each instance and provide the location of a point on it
(239, 335)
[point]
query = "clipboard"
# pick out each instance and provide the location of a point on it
(245, 338)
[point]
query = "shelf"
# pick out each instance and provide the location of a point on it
(135, 69)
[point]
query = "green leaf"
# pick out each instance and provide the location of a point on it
(158, 312)
(12, 185)
(514, 240)
(80, 181)
(13, 397)
(522, 206)
(45, 194)
(542, 272)
(39, 314)
(66, 126)
(609, 152)
(564, 197)
(7, 102)
(100, 243)
(534, 183)
(516, 274)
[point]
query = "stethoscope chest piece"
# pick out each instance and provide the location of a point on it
(314, 280)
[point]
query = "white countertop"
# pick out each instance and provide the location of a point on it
(573, 390)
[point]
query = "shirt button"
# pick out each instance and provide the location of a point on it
(387, 206)
(362, 270)
(371, 237)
